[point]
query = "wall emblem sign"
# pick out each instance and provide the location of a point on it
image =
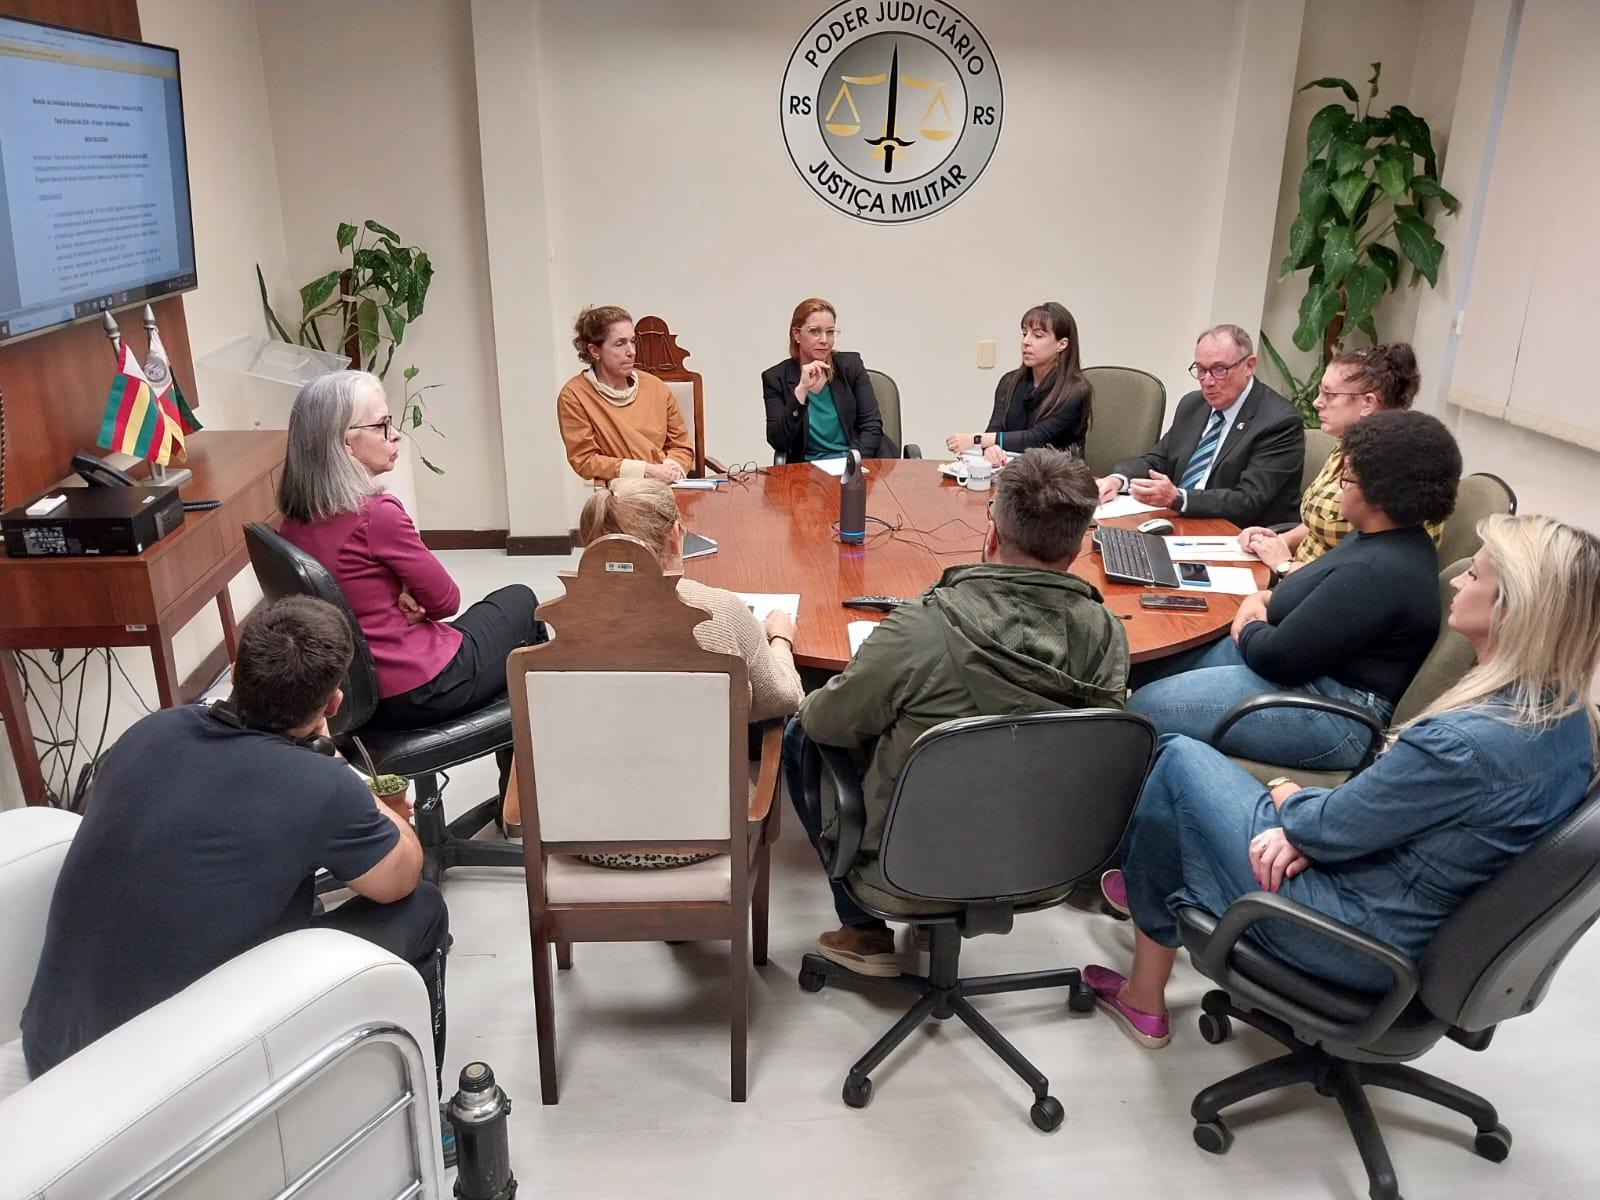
(891, 109)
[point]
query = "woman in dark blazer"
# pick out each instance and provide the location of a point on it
(1045, 401)
(820, 403)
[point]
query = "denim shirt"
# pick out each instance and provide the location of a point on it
(1440, 813)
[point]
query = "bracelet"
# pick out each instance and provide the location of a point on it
(1274, 784)
(778, 637)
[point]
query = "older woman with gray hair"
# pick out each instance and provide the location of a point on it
(341, 439)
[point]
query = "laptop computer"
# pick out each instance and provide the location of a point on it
(1129, 556)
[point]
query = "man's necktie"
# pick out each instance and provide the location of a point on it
(1200, 461)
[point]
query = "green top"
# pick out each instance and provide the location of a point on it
(824, 435)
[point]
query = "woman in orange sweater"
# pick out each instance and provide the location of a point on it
(619, 423)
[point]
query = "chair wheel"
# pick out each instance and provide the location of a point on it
(1493, 1144)
(811, 981)
(1213, 1136)
(1080, 997)
(1047, 1114)
(856, 1094)
(1215, 1028)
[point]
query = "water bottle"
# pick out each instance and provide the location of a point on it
(483, 1151)
(852, 502)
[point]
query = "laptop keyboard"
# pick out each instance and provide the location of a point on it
(1125, 553)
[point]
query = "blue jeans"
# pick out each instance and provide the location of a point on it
(794, 746)
(1198, 689)
(1189, 845)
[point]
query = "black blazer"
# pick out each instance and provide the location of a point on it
(1022, 431)
(1256, 477)
(852, 396)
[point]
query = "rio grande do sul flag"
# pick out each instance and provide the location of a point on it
(158, 372)
(135, 423)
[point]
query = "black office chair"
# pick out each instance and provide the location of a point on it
(1058, 790)
(1492, 960)
(283, 569)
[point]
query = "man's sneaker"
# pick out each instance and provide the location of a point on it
(861, 949)
(447, 1136)
(1115, 890)
(1150, 1029)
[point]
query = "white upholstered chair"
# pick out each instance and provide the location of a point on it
(632, 739)
(307, 1061)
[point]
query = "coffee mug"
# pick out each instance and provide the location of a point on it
(975, 476)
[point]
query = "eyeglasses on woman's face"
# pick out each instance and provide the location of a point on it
(821, 333)
(386, 425)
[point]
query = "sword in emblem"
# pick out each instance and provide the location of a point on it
(887, 144)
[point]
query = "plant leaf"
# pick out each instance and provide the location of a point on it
(367, 326)
(1348, 190)
(421, 279)
(272, 317)
(411, 372)
(1318, 307)
(1388, 262)
(347, 234)
(382, 230)
(1392, 178)
(1369, 327)
(1338, 254)
(315, 294)
(1349, 156)
(1363, 287)
(1331, 81)
(397, 323)
(1302, 243)
(1424, 186)
(1412, 131)
(430, 466)
(1419, 245)
(1372, 84)
(1329, 120)
(1314, 197)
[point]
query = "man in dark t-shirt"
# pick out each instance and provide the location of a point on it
(202, 837)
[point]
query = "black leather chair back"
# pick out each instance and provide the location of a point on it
(1494, 958)
(990, 808)
(283, 569)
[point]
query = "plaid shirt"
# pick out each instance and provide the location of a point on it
(1322, 516)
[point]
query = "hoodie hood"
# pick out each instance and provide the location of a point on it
(1028, 638)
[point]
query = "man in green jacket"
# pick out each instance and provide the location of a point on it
(1015, 633)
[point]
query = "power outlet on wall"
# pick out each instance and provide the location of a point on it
(986, 354)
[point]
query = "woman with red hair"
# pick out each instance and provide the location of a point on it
(819, 400)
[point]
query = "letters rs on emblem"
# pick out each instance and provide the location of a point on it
(891, 109)
(624, 568)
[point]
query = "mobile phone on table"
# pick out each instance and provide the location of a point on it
(1175, 603)
(1194, 574)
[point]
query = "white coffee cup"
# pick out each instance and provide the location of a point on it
(976, 475)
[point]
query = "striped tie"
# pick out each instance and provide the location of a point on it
(1200, 461)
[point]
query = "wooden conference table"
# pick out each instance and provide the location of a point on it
(775, 534)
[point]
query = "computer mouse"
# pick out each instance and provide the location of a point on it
(1158, 525)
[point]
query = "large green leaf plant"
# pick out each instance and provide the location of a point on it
(364, 306)
(1366, 193)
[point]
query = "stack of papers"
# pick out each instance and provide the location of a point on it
(761, 603)
(1229, 581)
(834, 466)
(1122, 506)
(1207, 549)
(859, 631)
(709, 484)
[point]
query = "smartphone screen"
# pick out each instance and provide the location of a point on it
(1194, 573)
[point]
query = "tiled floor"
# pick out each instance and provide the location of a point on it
(642, 1050)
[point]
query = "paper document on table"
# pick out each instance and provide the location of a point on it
(1229, 581)
(761, 603)
(698, 485)
(859, 631)
(834, 466)
(1207, 549)
(1122, 506)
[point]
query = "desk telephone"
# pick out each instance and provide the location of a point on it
(97, 472)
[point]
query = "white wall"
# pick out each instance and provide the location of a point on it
(374, 115)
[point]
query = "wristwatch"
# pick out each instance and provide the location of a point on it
(1280, 571)
(977, 439)
(1274, 784)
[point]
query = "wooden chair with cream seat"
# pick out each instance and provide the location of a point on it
(632, 739)
(658, 352)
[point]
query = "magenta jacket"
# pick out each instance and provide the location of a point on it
(374, 553)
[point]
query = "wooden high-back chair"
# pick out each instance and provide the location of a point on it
(657, 351)
(630, 738)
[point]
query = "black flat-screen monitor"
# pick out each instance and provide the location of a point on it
(94, 177)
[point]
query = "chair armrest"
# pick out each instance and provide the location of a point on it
(33, 845)
(1259, 906)
(767, 772)
(839, 768)
(780, 458)
(203, 1061)
(910, 450)
(1338, 708)
(714, 467)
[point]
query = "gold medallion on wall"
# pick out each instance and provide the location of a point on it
(891, 109)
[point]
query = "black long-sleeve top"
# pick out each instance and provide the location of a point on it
(1014, 415)
(1365, 614)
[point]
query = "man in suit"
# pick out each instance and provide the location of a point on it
(1235, 448)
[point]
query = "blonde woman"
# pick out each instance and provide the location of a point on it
(647, 510)
(1469, 784)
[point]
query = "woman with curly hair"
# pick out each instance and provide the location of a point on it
(1353, 625)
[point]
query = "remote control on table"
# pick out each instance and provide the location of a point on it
(881, 603)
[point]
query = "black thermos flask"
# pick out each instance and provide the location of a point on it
(483, 1151)
(852, 501)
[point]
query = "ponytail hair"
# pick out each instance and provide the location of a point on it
(1388, 371)
(642, 508)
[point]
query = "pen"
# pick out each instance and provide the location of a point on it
(1202, 541)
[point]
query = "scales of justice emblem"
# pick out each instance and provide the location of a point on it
(891, 120)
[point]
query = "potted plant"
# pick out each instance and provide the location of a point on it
(364, 307)
(1369, 182)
